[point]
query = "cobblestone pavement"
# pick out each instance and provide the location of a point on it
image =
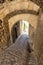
(18, 53)
(32, 60)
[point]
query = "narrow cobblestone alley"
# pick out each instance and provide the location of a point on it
(18, 53)
(21, 32)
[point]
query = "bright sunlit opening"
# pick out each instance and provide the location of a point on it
(25, 27)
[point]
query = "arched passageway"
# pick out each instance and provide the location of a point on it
(18, 11)
(18, 8)
(15, 11)
(22, 27)
(19, 28)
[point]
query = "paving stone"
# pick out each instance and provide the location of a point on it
(18, 53)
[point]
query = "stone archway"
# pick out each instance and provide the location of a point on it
(18, 9)
(32, 19)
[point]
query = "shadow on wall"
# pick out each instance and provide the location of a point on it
(15, 32)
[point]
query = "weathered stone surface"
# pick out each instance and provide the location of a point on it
(39, 40)
(18, 53)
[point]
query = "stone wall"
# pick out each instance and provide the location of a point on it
(2, 36)
(15, 31)
(32, 34)
(39, 40)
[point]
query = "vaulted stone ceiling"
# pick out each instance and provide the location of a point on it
(39, 2)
